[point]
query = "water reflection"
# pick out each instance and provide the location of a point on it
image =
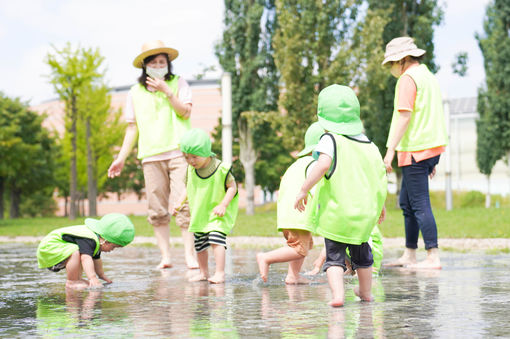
(469, 297)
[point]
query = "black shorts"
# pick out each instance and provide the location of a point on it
(204, 240)
(60, 266)
(361, 255)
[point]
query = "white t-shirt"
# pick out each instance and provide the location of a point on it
(327, 147)
(184, 95)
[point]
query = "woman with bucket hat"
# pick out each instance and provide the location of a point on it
(78, 248)
(158, 109)
(418, 134)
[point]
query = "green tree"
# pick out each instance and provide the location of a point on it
(27, 152)
(246, 52)
(493, 127)
(76, 77)
(311, 52)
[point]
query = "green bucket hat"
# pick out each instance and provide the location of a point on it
(114, 227)
(312, 136)
(195, 141)
(338, 110)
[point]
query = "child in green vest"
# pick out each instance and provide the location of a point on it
(297, 227)
(79, 248)
(352, 194)
(212, 196)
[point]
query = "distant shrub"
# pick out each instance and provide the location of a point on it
(472, 199)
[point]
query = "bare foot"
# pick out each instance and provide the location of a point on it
(164, 264)
(314, 271)
(336, 302)
(217, 278)
(426, 264)
(356, 291)
(77, 284)
(291, 280)
(263, 266)
(400, 262)
(191, 263)
(198, 277)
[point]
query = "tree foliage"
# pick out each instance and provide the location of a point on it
(27, 151)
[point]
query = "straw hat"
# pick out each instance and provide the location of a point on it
(399, 48)
(152, 48)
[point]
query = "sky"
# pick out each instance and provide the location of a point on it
(30, 29)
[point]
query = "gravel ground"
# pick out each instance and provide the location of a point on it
(454, 244)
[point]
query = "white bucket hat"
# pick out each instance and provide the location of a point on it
(399, 48)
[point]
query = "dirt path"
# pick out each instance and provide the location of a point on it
(254, 242)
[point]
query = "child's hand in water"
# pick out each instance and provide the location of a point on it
(106, 279)
(95, 283)
(219, 210)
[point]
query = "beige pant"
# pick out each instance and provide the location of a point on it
(164, 184)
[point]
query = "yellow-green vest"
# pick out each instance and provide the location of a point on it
(53, 249)
(159, 127)
(206, 193)
(287, 217)
(427, 128)
(351, 198)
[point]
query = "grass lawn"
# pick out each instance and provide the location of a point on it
(461, 222)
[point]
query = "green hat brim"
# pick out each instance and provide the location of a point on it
(350, 128)
(306, 150)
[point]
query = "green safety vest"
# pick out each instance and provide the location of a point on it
(287, 216)
(206, 193)
(159, 127)
(53, 249)
(351, 198)
(427, 128)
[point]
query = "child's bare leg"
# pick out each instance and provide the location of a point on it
(293, 276)
(203, 264)
(364, 290)
(74, 272)
(282, 254)
(190, 254)
(162, 233)
(407, 258)
(219, 259)
(336, 283)
(317, 264)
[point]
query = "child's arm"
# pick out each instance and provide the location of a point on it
(98, 266)
(89, 268)
(316, 174)
(382, 217)
(229, 195)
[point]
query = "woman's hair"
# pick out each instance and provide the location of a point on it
(142, 80)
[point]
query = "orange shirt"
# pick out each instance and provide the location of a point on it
(405, 100)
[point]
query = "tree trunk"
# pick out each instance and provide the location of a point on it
(15, 201)
(488, 195)
(248, 157)
(65, 206)
(404, 19)
(91, 178)
(73, 184)
(2, 197)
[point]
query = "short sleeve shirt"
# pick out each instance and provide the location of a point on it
(85, 245)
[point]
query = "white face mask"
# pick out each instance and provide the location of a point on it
(157, 73)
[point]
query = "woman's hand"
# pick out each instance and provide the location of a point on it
(115, 168)
(388, 159)
(159, 85)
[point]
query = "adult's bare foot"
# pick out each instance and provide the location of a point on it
(408, 258)
(263, 266)
(427, 264)
(164, 264)
(191, 263)
(198, 277)
(337, 302)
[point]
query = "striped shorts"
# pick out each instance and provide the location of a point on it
(204, 240)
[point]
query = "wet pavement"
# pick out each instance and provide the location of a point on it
(470, 297)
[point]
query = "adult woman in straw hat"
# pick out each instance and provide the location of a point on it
(418, 135)
(158, 109)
